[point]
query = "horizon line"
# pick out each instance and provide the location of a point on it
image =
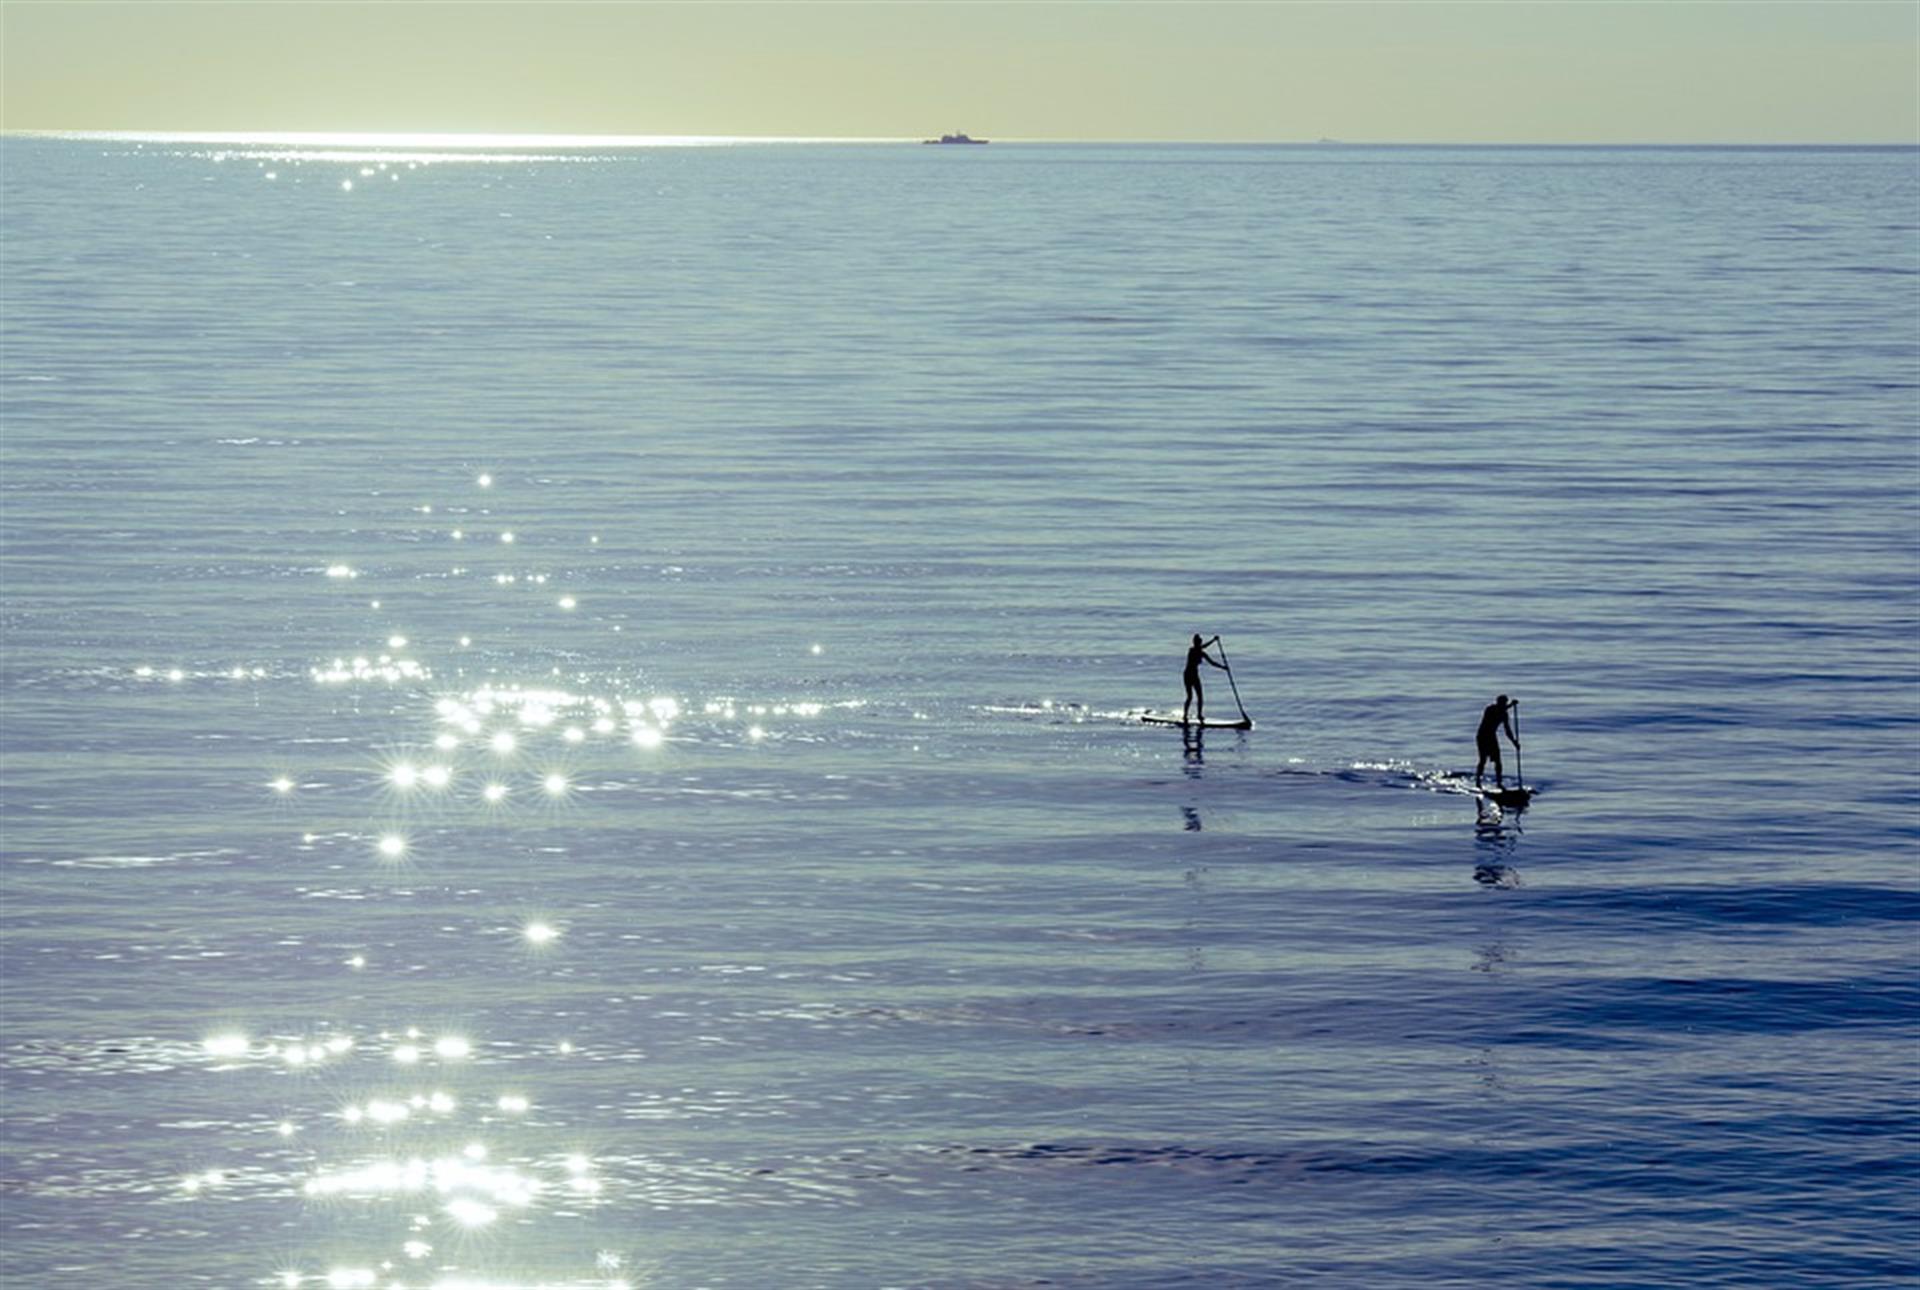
(558, 139)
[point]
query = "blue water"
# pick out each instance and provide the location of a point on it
(861, 499)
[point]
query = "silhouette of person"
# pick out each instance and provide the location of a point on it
(1498, 716)
(1196, 697)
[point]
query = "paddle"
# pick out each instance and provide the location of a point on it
(1229, 670)
(1518, 773)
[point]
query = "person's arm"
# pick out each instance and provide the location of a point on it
(1209, 658)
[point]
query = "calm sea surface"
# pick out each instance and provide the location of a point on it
(571, 717)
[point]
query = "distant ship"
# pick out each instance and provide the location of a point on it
(955, 138)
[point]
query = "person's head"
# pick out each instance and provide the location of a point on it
(1502, 701)
(1196, 640)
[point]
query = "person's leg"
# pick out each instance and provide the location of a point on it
(1188, 705)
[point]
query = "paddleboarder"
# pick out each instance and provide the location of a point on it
(1498, 716)
(1196, 655)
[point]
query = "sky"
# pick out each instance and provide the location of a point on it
(1566, 71)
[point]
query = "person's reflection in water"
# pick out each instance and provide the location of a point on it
(1496, 836)
(1192, 818)
(1193, 751)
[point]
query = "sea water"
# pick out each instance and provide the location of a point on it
(571, 716)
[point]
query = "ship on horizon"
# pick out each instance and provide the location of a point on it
(956, 138)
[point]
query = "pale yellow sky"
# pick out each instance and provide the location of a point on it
(1664, 71)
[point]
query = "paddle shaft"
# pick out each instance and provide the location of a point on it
(1518, 772)
(1236, 689)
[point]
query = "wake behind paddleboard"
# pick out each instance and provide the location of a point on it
(1505, 796)
(1152, 719)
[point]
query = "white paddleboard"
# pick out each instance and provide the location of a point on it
(1157, 719)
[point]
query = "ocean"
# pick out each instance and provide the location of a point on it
(571, 716)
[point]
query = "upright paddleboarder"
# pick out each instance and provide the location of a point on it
(1196, 698)
(1497, 717)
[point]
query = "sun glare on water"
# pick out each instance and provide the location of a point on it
(416, 148)
(462, 749)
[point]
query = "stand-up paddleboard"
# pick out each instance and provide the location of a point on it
(1155, 719)
(1516, 797)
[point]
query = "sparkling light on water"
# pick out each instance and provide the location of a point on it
(387, 1143)
(225, 1045)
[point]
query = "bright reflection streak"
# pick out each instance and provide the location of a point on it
(494, 793)
(392, 846)
(462, 1176)
(573, 735)
(280, 784)
(387, 668)
(502, 742)
(513, 1103)
(507, 537)
(407, 1054)
(437, 776)
(227, 1045)
(485, 481)
(555, 784)
(540, 933)
(647, 737)
(452, 1047)
(471, 1213)
(404, 775)
(446, 742)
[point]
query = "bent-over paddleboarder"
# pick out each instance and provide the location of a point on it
(1498, 716)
